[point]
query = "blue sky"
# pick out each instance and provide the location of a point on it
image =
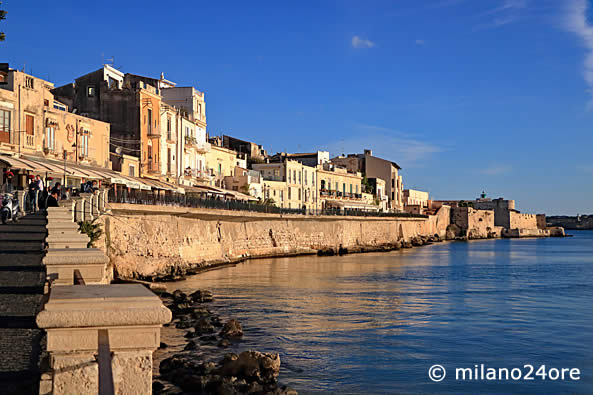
(464, 94)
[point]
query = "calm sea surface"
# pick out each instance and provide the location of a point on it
(376, 323)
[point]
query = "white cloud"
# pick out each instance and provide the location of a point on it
(496, 170)
(358, 42)
(404, 149)
(507, 12)
(419, 42)
(577, 23)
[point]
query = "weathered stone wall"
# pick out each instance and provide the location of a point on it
(541, 221)
(476, 224)
(143, 241)
(522, 221)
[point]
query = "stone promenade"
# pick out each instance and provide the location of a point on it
(22, 278)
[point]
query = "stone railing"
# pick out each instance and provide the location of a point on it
(100, 337)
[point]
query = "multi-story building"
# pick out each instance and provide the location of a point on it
(221, 162)
(312, 159)
(300, 183)
(373, 167)
(194, 151)
(33, 122)
(340, 188)
(415, 202)
(255, 153)
(245, 181)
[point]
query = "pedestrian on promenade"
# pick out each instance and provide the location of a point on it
(52, 200)
(33, 194)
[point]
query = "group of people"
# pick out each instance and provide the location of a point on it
(41, 196)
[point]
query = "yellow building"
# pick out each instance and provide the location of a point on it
(299, 183)
(342, 189)
(221, 163)
(34, 123)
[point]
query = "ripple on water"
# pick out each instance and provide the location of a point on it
(375, 323)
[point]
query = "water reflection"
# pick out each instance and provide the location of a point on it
(374, 323)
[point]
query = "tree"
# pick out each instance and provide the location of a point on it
(2, 17)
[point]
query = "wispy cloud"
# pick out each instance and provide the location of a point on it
(358, 42)
(405, 149)
(496, 170)
(508, 11)
(577, 23)
(419, 42)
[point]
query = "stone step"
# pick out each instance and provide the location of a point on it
(16, 246)
(68, 237)
(62, 225)
(22, 236)
(22, 228)
(32, 221)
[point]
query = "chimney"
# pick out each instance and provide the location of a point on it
(368, 152)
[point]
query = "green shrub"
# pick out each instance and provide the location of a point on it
(91, 229)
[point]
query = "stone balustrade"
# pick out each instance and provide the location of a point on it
(68, 252)
(73, 317)
(99, 336)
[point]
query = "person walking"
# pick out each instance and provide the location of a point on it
(32, 198)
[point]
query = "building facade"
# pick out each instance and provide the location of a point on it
(33, 122)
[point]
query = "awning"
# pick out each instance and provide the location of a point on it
(21, 164)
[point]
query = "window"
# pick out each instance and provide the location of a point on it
(294, 176)
(343, 188)
(84, 145)
(29, 125)
(219, 168)
(59, 106)
(5, 121)
(299, 177)
(169, 128)
(149, 115)
(305, 177)
(337, 186)
(4, 126)
(29, 83)
(199, 110)
(50, 138)
(90, 91)
(357, 189)
(299, 193)
(282, 196)
(289, 193)
(168, 160)
(351, 189)
(132, 170)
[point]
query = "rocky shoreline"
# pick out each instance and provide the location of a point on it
(189, 371)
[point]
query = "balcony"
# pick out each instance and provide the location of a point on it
(197, 174)
(153, 132)
(190, 142)
(339, 195)
(30, 140)
(153, 167)
(203, 147)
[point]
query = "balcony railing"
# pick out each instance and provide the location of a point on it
(30, 140)
(196, 173)
(191, 141)
(339, 195)
(203, 146)
(154, 167)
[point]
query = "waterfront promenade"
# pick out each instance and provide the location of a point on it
(22, 278)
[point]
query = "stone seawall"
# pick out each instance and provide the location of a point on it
(151, 241)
